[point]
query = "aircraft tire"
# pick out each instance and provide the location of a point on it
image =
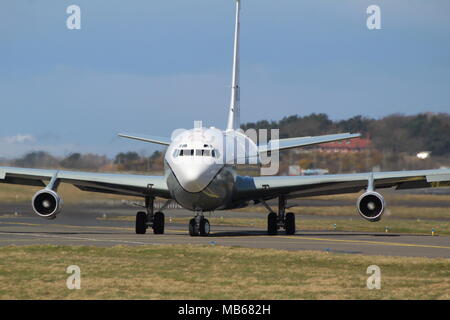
(204, 227)
(141, 222)
(290, 223)
(158, 223)
(272, 228)
(192, 231)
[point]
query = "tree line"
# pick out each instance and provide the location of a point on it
(396, 139)
(124, 161)
(394, 133)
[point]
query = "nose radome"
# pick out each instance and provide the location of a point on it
(193, 181)
(195, 178)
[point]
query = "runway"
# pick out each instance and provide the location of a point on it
(85, 225)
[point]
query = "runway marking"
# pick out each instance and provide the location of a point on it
(76, 238)
(75, 227)
(64, 226)
(228, 237)
(162, 240)
(369, 242)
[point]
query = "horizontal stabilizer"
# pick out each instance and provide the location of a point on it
(151, 139)
(289, 143)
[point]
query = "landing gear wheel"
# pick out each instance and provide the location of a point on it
(204, 227)
(192, 229)
(290, 223)
(272, 227)
(141, 222)
(158, 223)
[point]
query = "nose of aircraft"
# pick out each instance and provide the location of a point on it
(195, 177)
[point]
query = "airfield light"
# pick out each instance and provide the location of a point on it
(432, 232)
(386, 229)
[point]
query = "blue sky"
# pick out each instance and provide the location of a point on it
(154, 66)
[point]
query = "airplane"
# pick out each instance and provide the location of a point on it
(201, 168)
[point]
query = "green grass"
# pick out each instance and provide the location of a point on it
(214, 272)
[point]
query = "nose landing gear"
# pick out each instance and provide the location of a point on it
(281, 220)
(199, 226)
(152, 219)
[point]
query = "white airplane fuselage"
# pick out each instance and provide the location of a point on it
(201, 164)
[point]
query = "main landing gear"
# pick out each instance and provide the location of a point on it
(154, 220)
(199, 226)
(282, 220)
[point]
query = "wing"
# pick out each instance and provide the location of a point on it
(123, 184)
(256, 188)
(290, 143)
(151, 139)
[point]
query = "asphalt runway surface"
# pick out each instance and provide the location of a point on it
(86, 225)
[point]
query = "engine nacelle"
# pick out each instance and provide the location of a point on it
(46, 203)
(371, 206)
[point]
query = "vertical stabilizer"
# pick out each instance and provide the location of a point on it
(234, 113)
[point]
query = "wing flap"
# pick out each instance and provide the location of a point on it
(438, 177)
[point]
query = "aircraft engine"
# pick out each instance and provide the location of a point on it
(371, 206)
(47, 203)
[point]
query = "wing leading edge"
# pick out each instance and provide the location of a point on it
(123, 184)
(256, 188)
(145, 138)
(282, 144)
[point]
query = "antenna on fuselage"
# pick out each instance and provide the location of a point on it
(234, 122)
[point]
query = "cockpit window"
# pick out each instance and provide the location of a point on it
(198, 153)
(207, 153)
(186, 152)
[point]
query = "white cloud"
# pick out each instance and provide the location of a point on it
(19, 138)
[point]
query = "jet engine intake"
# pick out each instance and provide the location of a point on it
(371, 206)
(46, 203)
